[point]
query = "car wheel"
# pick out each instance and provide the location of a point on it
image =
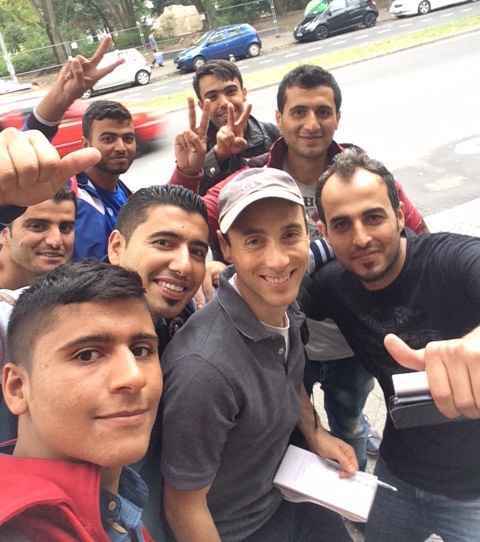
(253, 49)
(370, 20)
(142, 77)
(423, 7)
(198, 62)
(321, 32)
(87, 94)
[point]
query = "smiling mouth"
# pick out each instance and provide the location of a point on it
(51, 255)
(126, 418)
(278, 280)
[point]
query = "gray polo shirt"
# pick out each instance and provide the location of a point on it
(230, 402)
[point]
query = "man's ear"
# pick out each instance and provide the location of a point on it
(85, 142)
(278, 118)
(14, 384)
(401, 216)
(116, 246)
(244, 91)
(5, 238)
(323, 230)
(224, 246)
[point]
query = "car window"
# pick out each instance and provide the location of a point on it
(218, 37)
(236, 31)
(335, 5)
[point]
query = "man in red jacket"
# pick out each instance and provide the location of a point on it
(85, 383)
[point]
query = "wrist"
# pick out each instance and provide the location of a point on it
(219, 156)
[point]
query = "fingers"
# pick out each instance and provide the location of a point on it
(31, 170)
(453, 376)
(403, 354)
(105, 44)
(243, 119)
(75, 162)
(230, 117)
(192, 116)
(199, 299)
(344, 454)
(202, 129)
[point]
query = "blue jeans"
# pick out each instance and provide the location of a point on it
(302, 522)
(412, 515)
(346, 385)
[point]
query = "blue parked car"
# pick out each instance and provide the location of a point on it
(237, 40)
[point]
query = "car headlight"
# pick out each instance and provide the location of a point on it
(311, 26)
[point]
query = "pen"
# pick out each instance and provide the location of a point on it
(337, 466)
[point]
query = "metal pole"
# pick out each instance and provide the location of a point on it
(274, 18)
(8, 62)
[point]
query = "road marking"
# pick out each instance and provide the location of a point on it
(472, 146)
(291, 54)
(405, 25)
(186, 82)
(338, 42)
(459, 219)
(265, 61)
(383, 31)
(466, 9)
(446, 14)
(362, 37)
(426, 20)
(316, 48)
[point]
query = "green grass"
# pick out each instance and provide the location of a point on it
(266, 77)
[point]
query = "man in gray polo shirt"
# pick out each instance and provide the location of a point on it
(233, 388)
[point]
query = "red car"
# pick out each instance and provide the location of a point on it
(149, 122)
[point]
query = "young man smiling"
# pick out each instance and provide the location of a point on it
(426, 289)
(86, 394)
(232, 135)
(233, 382)
(39, 240)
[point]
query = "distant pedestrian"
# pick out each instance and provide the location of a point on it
(153, 42)
(157, 59)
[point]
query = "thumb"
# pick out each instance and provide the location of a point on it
(403, 354)
(77, 161)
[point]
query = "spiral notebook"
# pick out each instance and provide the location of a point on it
(304, 476)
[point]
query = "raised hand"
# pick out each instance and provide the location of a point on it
(77, 76)
(191, 145)
(31, 170)
(230, 138)
(452, 367)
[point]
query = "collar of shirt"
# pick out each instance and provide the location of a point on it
(122, 514)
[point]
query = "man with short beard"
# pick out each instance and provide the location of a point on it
(426, 289)
(108, 127)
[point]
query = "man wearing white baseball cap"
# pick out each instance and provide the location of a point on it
(233, 388)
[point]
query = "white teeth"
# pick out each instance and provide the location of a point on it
(172, 287)
(277, 280)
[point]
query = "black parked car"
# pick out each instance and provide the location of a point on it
(340, 15)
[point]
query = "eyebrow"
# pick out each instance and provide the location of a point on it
(29, 221)
(364, 213)
(257, 231)
(115, 134)
(173, 235)
(105, 338)
(216, 91)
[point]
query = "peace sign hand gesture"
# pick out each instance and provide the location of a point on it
(230, 138)
(191, 145)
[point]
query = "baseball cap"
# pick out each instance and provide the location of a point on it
(250, 186)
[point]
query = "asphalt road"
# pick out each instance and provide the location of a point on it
(292, 51)
(417, 110)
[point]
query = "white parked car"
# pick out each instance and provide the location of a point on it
(400, 8)
(134, 71)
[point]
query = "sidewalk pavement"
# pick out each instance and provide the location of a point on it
(271, 40)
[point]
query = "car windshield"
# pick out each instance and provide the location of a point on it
(203, 39)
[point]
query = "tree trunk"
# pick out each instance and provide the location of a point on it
(44, 11)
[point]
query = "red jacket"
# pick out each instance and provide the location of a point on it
(274, 159)
(54, 501)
